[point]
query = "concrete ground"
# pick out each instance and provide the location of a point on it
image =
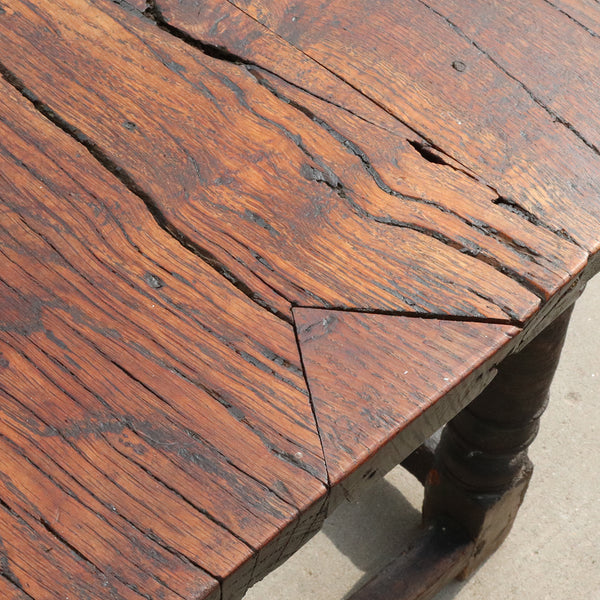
(553, 551)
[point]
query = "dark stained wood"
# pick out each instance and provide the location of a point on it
(474, 111)
(113, 346)
(420, 461)
(481, 471)
(209, 183)
(370, 376)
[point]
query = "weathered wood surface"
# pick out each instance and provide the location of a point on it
(418, 66)
(200, 157)
(411, 363)
(550, 72)
(189, 194)
(583, 12)
(126, 387)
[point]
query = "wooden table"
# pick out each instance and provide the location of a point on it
(255, 253)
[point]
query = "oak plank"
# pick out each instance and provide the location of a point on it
(440, 193)
(504, 136)
(10, 591)
(106, 540)
(109, 377)
(371, 376)
(190, 338)
(229, 29)
(583, 12)
(386, 146)
(552, 56)
(219, 154)
(151, 383)
(36, 558)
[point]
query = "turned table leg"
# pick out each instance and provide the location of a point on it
(481, 468)
(477, 476)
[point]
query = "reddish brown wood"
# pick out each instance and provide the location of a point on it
(442, 191)
(504, 136)
(553, 57)
(396, 256)
(193, 196)
(371, 376)
(113, 349)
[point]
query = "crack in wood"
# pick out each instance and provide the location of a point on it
(329, 178)
(564, 12)
(517, 209)
(554, 115)
(418, 315)
(312, 404)
(222, 53)
(475, 251)
(225, 54)
(429, 155)
(153, 12)
(427, 149)
(125, 178)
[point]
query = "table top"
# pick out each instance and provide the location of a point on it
(254, 253)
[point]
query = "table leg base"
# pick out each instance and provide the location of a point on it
(486, 518)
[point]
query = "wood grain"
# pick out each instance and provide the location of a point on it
(389, 149)
(220, 155)
(583, 12)
(371, 375)
(439, 192)
(113, 349)
(535, 162)
(253, 253)
(553, 58)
